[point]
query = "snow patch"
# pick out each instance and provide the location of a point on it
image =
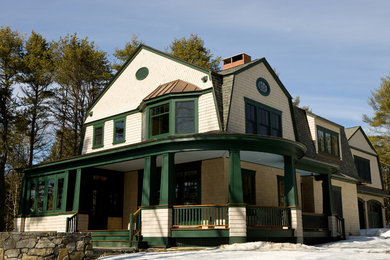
(375, 232)
(265, 246)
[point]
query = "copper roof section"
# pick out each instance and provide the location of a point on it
(177, 86)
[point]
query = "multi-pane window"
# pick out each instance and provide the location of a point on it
(363, 168)
(249, 186)
(98, 134)
(45, 194)
(159, 119)
(328, 142)
(261, 119)
(173, 117)
(188, 186)
(119, 130)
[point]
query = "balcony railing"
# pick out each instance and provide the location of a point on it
(268, 217)
(72, 223)
(200, 216)
(314, 222)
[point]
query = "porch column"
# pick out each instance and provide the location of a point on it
(291, 197)
(76, 198)
(237, 208)
(157, 220)
(149, 170)
(327, 202)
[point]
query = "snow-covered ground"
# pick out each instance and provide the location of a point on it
(373, 244)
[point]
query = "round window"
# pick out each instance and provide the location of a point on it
(142, 73)
(263, 86)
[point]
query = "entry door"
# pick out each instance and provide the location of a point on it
(362, 219)
(98, 217)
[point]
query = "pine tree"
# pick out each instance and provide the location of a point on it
(11, 46)
(124, 54)
(193, 51)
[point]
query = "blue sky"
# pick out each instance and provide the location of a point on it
(330, 53)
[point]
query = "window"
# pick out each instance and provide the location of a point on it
(119, 130)
(173, 117)
(249, 186)
(45, 194)
(363, 168)
(188, 184)
(261, 119)
(328, 142)
(98, 135)
(337, 200)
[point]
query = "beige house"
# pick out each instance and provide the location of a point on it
(174, 154)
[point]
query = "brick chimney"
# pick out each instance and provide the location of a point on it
(235, 61)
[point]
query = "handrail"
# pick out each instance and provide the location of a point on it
(267, 206)
(205, 205)
(72, 223)
(340, 225)
(266, 217)
(200, 216)
(135, 226)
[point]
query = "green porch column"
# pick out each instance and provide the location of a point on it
(290, 182)
(291, 198)
(149, 173)
(327, 195)
(76, 197)
(23, 197)
(235, 178)
(167, 188)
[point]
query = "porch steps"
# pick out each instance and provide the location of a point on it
(110, 238)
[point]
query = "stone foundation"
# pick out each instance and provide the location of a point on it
(45, 245)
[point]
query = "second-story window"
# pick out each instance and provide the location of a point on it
(363, 168)
(328, 142)
(173, 117)
(119, 130)
(98, 134)
(261, 119)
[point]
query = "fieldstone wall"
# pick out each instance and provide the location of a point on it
(45, 245)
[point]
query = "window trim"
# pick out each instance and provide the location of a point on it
(267, 108)
(95, 126)
(46, 179)
(172, 117)
(332, 133)
(115, 120)
(355, 157)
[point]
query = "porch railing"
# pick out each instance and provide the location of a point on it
(314, 222)
(268, 217)
(200, 216)
(340, 227)
(135, 226)
(72, 223)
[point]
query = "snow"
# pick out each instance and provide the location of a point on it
(373, 244)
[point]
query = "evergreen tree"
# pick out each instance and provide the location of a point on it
(81, 73)
(125, 54)
(38, 72)
(380, 123)
(11, 46)
(193, 51)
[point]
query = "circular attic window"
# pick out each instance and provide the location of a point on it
(142, 73)
(263, 86)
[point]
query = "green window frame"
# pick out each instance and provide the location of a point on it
(262, 119)
(175, 116)
(363, 168)
(46, 194)
(328, 142)
(98, 136)
(119, 130)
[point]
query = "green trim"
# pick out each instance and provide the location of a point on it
(233, 240)
(235, 178)
(157, 241)
(47, 214)
(320, 234)
(167, 188)
(108, 118)
(331, 133)
(94, 145)
(77, 186)
(315, 166)
(22, 197)
(373, 193)
(172, 117)
(332, 190)
(262, 80)
(327, 202)
(142, 73)
(201, 233)
(344, 179)
(267, 233)
(119, 119)
(193, 142)
(127, 63)
(149, 170)
(156, 207)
